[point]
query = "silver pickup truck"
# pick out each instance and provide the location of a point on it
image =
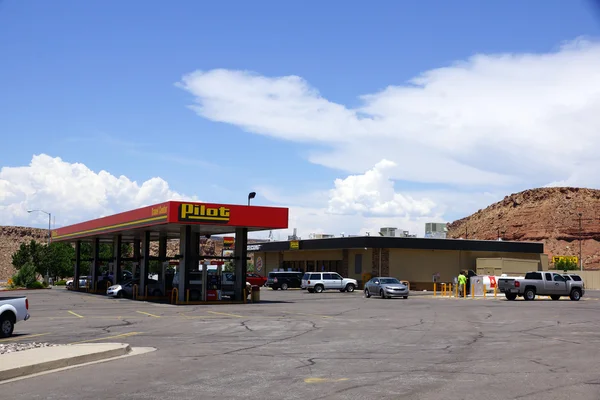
(541, 283)
(12, 310)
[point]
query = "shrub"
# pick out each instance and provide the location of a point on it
(25, 277)
(61, 283)
(36, 285)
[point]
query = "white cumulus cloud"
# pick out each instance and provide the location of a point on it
(373, 194)
(72, 192)
(503, 120)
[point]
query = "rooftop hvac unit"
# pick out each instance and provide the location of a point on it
(388, 231)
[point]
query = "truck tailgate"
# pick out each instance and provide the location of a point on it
(506, 284)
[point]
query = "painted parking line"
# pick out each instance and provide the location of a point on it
(122, 335)
(75, 314)
(148, 314)
(23, 337)
(324, 380)
(227, 314)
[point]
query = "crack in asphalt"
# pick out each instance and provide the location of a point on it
(243, 323)
(106, 328)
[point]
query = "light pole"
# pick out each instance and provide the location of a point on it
(580, 259)
(251, 195)
(49, 234)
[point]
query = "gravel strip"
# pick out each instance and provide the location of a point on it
(13, 347)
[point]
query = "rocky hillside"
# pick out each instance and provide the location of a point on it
(549, 215)
(11, 238)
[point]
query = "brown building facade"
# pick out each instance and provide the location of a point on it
(417, 260)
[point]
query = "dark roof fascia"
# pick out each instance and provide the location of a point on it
(405, 243)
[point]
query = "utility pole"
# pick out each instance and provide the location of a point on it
(580, 219)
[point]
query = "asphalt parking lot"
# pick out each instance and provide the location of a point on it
(334, 345)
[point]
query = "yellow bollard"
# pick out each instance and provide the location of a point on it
(495, 290)
(456, 291)
(175, 292)
(465, 291)
(134, 291)
(434, 288)
(472, 291)
(484, 290)
(187, 296)
(245, 296)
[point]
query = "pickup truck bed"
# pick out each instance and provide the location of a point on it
(12, 310)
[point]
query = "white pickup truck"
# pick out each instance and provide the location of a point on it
(12, 310)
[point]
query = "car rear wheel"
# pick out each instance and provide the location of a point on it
(350, 288)
(510, 296)
(284, 286)
(575, 295)
(367, 294)
(318, 288)
(7, 326)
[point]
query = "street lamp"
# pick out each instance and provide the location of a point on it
(49, 234)
(251, 195)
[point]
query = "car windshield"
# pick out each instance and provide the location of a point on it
(389, 280)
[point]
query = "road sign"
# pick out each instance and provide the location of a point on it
(573, 259)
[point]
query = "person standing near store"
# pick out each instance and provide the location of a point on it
(462, 281)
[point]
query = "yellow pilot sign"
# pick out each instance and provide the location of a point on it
(203, 213)
(573, 259)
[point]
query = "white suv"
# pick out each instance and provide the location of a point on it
(319, 281)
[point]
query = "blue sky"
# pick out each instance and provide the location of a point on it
(94, 82)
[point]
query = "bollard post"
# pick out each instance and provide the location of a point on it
(245, 295)
(450, 290)
(187, 296)
(465, 291)
(146, 293)
(495, 289)
(484, 290)
(134, 293)
(434, 289)
(456, 291)
(472, 291)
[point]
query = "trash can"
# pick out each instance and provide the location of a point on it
(255, 294)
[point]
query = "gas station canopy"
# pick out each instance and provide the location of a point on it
(167, 219)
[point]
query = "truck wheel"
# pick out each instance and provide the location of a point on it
(575, 295)
(529, 294)
(555, 297)
(7, 325)
(350, 287)
(510, 296)
(318, 288)
(284, 286)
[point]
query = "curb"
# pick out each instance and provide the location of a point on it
(7, 373)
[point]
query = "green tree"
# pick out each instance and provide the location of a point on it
(566, 264)
(26, 275)
(57, 259)
(21, 256)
